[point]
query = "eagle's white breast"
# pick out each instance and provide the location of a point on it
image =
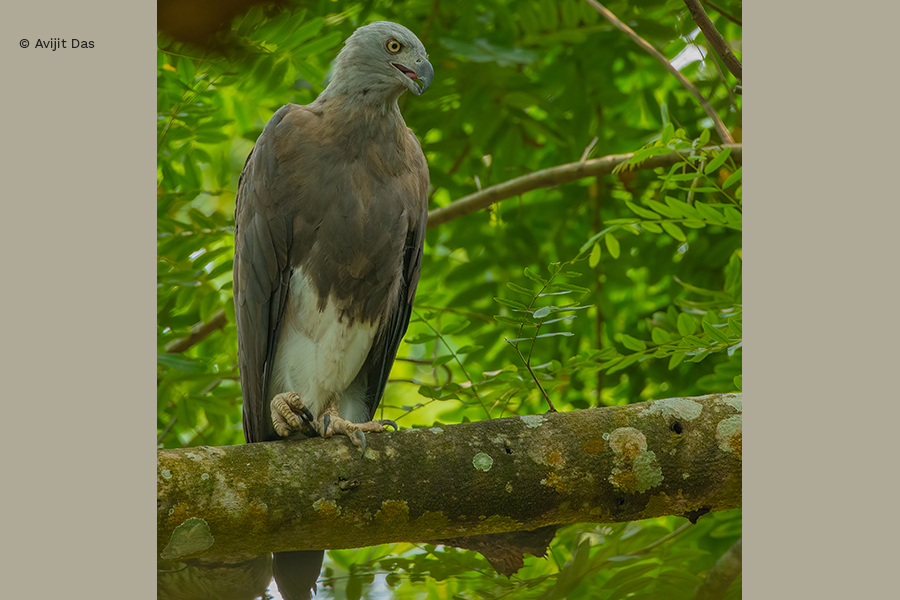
(319, 355)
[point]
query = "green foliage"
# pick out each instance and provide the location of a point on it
(600, 292)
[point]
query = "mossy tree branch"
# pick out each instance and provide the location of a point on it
(680, 456)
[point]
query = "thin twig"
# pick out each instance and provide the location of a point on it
(720, 126)
(722, 12)
(720, 576)
(554, 176)
(527, 364)
(455, 358)
(661, 540)
(715, 38)
(718, 70)
(199, 333)
(587, 151)
(464, 313)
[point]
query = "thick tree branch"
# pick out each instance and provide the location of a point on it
(721, 575)
(554, 176)
(199, 333)
(715, 38)
(679, 456)
(710, 112)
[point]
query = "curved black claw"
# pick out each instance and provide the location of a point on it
(362, 440)
(390, 423)
(306, 415)
(327, 421)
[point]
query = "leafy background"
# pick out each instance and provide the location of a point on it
(619, 289)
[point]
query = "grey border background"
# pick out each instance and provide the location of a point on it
(78, 239)
(78, 301)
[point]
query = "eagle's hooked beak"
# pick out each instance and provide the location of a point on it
(423, 72)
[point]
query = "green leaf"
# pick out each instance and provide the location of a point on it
(534, 276)
(694, 224)
(511, 303)
(354, 587)
(651, 226)
(612, 244)
(518, 288)
(662, 209)
(715, 333)
(625, 362)
(454, 328)
(732, 179)
(645, 153)
(660, 336)
(713, 165)
(555, 333)
(683, 208)
(704, 137)
(570, 287)
(594, 260)
(542, 312)
(468, 349)
(674, 230)
(738, 382)
(682, 176)
(181, 362)
(667, 132)
(303, 33)
(441, 360)
(641, 211)
(633, 343)
(318, 45)
(626, 574)
(686, 324)
(734, 216)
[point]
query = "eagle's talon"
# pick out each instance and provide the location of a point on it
(326, 420)
(389, 423)
(362, 442)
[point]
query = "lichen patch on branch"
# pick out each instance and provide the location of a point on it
(636, 468)
(483, 462)
(533, 420)
(679, 408)
(728, 434)
(188, 538)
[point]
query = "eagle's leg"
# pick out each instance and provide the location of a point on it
(289, 414)
(329, 423)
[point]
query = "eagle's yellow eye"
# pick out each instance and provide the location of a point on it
(394, 46)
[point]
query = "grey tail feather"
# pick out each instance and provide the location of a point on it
(296, 573)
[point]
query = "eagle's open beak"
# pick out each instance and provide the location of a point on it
(423, 72)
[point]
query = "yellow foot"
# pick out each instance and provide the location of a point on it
(329, 424)
(290, 415)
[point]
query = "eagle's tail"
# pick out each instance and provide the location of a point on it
(296, 573)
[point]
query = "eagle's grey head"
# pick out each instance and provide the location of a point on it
(383, 59)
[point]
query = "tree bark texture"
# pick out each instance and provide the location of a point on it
(679, 456)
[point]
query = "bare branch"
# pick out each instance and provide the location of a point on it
(600, 465)
(554, 176)
(721, 575)
(720, 126)
(715, 38)
(722, 12)
(199, 332)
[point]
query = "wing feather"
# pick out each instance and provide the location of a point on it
(391, 330)
(261, 275)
